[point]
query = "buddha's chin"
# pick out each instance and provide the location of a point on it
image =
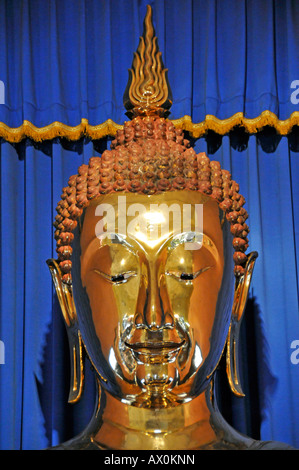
(156, 379)
(159, 385)
(155, 385)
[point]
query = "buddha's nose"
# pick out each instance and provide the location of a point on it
(152, 314)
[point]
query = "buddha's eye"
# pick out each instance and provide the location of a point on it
(187, 276)
(117, 278)
(124, 277)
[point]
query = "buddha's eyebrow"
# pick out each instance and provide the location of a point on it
(186, 237)
(114, 238)
(201, 239)
(118, 239)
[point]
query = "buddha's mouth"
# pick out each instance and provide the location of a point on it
(155, 346)
(150, 352)
(143, 345)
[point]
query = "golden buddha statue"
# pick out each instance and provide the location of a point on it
(152, 277)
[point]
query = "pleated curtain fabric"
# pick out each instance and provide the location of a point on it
(66, 61)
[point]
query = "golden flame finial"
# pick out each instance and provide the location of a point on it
(148, 91)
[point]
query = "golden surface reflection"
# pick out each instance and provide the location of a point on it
(153, 289)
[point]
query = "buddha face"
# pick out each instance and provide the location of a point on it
(152, 271)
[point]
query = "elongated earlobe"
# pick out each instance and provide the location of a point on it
(77, 365)
(65, 296)
(240, 298)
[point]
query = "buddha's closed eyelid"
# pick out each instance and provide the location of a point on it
(120, 278)
(187, 276)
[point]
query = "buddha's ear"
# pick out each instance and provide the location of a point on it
(66, 301)
(240, 298)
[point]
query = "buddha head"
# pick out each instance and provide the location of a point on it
(152, 273)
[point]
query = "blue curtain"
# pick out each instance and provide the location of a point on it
(269, 182)
(67, 60)
(64, 60)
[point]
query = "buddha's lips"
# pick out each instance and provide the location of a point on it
(155, 347)
(161, 338)
(155, 352)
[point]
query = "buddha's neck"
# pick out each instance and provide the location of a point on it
(117, 425)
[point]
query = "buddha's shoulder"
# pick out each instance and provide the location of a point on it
(270, 445)
(81, 443)
(86, 443)
(251, 445)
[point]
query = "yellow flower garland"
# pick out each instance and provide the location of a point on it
(109, 127)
